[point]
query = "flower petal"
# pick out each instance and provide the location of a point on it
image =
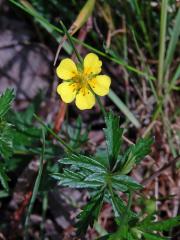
(85, 99)
(100, 84)
(92, 64)
(67, 91)
(67, 69)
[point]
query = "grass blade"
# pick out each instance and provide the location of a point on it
(35, 189)
(163, 21)
(54, 28)
(117, 101)
(173, 42)
(175, 78)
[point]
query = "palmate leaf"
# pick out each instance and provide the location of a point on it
(113, 134)
(90, 213)
(84, 162)
(134, 155)
(5, 101)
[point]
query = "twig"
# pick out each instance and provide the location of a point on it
(60, 116)
(157, 173)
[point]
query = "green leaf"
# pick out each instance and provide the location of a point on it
(84, 162)
(151, 236)
(122, 208)
(76, 180)
(90, 213)
(162, 225)
(4, 194)
(147, 220)
(5, 101)
(122, 233)
(4, 178)
(6, 140)
(99, 177)
(124, 183)
(135, 154)
(113, 135)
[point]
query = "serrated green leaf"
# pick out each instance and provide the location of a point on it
(119, 181)
(121, 205)
(113, 134)
(151, 236)
(84, 162)
(5, 101)
(23, 119)
(147, 220)
(76, 180)
(90, 213)
(161, 225)
(6, 139)
(99, 177)
(4, 178)
(134, 155)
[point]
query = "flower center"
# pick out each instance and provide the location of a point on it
(80, 82)
(81, 79)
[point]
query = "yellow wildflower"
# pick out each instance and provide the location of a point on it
(80, 82)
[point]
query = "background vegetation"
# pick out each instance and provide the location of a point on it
(138, 42)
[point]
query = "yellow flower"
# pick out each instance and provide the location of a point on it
(80, 82)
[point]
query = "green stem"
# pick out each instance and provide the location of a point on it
(125, 215)
(35, 189)
(53, 134)
(71, 42)
(44, 210)
(101, 106)
(163, 22)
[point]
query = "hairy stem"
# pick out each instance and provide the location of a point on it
(71, 42)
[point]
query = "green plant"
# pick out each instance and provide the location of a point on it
(6, 137)
(106, 174)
